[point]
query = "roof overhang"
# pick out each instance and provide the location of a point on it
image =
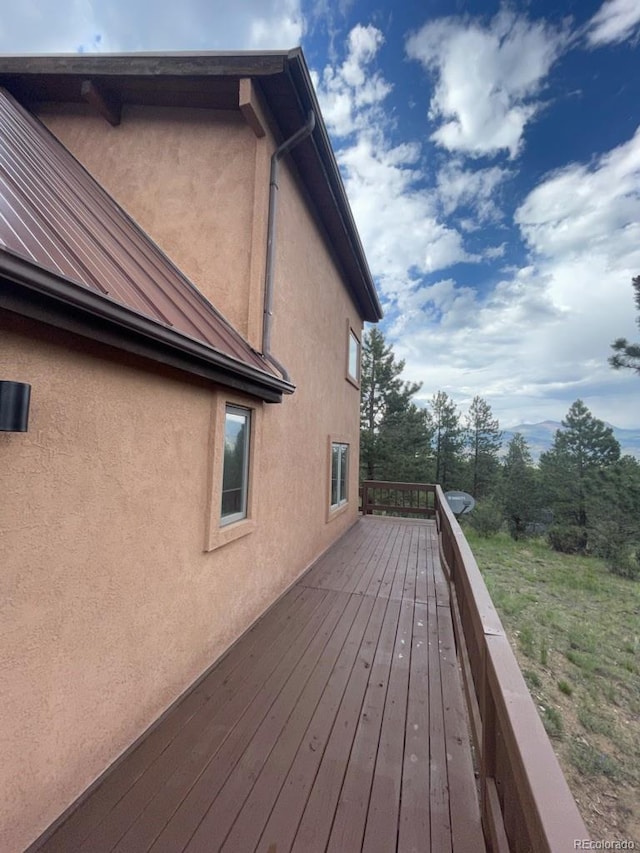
(34, 292)
(212, 80)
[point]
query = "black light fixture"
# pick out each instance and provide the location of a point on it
(14, 406)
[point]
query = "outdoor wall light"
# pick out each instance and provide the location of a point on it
(14, 406)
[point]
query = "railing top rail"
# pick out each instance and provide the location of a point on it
(390, 484)
(552, 815)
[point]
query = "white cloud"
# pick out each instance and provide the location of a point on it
(472, 188)
(487, 78)
(58, 26)
(345, 90)
(588, 209)
(280, 25)
(537, 341)
(540, 337)
(396, 214)
(614, 22)
(493, 252)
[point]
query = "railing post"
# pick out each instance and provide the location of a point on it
(488, 753)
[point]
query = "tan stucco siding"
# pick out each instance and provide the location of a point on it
(311, 308)
(109, 607)
(112, 605)
(187, 177)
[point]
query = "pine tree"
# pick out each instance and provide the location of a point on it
(405, 444)
(448, 441)
(614, 510)
(519, 488)
(582, 448)
(627, 354)
(484, 440)
(389, 420)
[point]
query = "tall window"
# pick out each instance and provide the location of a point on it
(353, 366)
(235, 471)
(339, 473)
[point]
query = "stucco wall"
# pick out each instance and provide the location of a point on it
(111, 606)
(187, 177)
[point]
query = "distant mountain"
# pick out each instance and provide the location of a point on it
(540, 437)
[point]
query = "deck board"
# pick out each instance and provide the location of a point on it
(351, 813)
(336, 723)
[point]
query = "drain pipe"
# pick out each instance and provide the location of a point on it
(277, 155)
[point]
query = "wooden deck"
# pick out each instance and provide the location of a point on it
(337, 723)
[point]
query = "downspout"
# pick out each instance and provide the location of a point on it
(277, 155)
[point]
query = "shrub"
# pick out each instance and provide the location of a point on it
(544, 652)
(552, 721)
(624, 563)
(486, 518)
(616, 541)
(532, 678)
(567, 538)
(590, 762)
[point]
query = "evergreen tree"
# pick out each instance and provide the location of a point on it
(614, 510)
(519, 488)
(448, 441)
(405, 444)
(627, 354)
(484, 440)
(391, 425)
(582, 448)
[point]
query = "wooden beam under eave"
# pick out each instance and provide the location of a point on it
(108, 106)
(250, 108)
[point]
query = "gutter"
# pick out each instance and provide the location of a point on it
(278, 154)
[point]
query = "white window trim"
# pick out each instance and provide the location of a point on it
(351, 332)
(339, 473)
(230, 408)
(334, 510)
(217, 534)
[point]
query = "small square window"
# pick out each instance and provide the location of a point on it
(235, 469)
(339, 473)
(353, 365)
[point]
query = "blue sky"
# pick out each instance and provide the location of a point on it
(491, 154)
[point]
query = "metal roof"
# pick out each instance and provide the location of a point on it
(210, 79)
(54, 215)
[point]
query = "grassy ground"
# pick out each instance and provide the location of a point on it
(575, 629)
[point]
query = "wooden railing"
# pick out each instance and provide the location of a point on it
(525, 801)
(417, 499)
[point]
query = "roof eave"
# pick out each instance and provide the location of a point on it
(34, 292)
(298, 72)
(259, 65)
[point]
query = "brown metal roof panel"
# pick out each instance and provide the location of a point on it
(75, 217)
(138, 272)
(34, 292)
(22, 202)
(53, 213)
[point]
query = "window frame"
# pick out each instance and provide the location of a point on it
(352, 335)
(232, 518)
(343, 503)
(217, 534)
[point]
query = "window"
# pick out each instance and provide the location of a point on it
(339, 473)
(235, 469)
(232, 488)
(353, 363)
